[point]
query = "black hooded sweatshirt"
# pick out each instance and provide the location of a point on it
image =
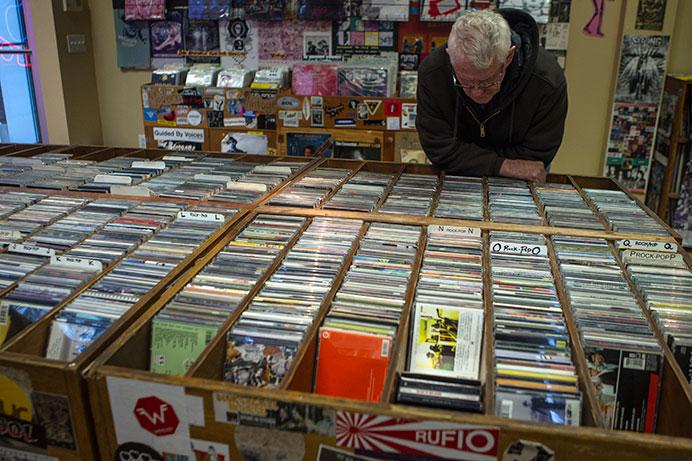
(525, 120)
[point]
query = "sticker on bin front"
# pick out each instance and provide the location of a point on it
(527, 450)
(410, 437)
(273, 414)
(633, 244)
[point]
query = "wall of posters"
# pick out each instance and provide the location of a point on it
(638, 90)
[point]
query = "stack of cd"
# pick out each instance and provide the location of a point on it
(310, 190)
(75, 227)
(361, 193)
(134, 173)
(624, 214)
(535, 377)
(618, 341)
(665, 283)
(461, 198)
(183, 328)
(447, 326)
(11, 202)
(15, 264)
(564, 207)
(510, 200)
(52, 157)
(95, 309)
(32, 218)
(122, 234)
(261, 345)
(250, 186)
(42, 290)
(357, 336)
(183, 166)
(411, 194)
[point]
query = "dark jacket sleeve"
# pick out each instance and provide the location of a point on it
(546, 129)
(436, 130)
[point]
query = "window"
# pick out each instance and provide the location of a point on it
(18, 117)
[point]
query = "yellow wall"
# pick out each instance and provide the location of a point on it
(118, 91)
(680, 60)
(78, 76)
(591, 69)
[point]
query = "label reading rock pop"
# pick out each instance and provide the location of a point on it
(518, 249)
(200, 216)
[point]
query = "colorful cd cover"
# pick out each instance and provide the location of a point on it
(446, 341)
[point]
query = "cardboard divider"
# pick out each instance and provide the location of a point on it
(488, 353)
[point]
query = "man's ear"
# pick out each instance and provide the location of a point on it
(510, 55)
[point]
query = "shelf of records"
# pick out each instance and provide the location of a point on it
(372, 76)
(363, 306)
(252, 121)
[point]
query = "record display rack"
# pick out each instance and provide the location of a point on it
(128, 358)
(124, 352)
(276, 114)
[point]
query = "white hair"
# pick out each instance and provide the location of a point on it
(481, 37)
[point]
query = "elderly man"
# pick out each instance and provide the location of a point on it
(493, 103)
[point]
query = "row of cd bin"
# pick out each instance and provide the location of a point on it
(261, 422)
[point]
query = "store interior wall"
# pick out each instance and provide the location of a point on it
(114, 103)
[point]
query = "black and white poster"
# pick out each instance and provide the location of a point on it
(642, 69)
(650, 14)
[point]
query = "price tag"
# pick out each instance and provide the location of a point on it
(200, 216)
(136, 191)
(113, 179)
(31, 249)
(643, 256)
(630, 244)
(246, 186)
(518, 249)
(213, 177)
(6, 234)
(269, 169)
(454, 230)
(77, 263)
(149, 165)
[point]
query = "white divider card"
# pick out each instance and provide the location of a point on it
(270, 169)
(246, 186)
(77, 263)
(6, 234)
(149, 165)
(648, 257)
(518, 248)
(213, 177)
(177, 158)
(113, 179)
(30, 249)
(454, 230)
(134, 191)
(200, 216)
(631, 244)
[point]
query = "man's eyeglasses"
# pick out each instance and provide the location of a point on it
(481, 85)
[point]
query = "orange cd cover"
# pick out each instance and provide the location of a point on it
(352, 364)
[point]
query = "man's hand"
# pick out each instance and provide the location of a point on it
(530, 170)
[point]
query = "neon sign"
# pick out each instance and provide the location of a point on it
(22, 59)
